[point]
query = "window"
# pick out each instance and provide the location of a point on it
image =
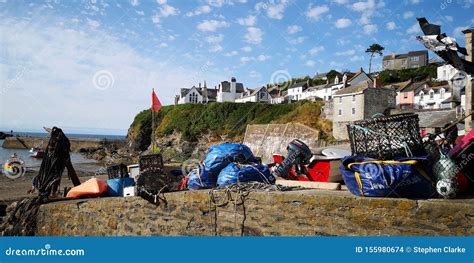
(415, 58)
(421, 96)
(442, 93)
(329, 97)
(340, 100)
(353, 98)
(431, 94)
(340, 112)
(405, 95)
(353, 111)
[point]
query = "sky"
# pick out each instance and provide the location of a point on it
(89, 66)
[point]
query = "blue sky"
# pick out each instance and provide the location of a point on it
(89, 66)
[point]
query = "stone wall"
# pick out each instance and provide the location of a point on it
(295, 213)
(76, 144)
(267, 139)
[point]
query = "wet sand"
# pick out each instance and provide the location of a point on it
(16, 189)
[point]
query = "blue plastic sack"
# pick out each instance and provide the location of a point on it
(234, 173)
(368, 177)
(221, 155)
(115, 186)
(201, 179)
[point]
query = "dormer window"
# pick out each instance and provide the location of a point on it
(431, 94)
(441, 92)
(421, 96)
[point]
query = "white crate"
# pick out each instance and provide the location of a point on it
(129, 191)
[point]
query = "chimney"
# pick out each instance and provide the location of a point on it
(377, 83)
(205, 85)
(469, 99)
(199, 84)
(394, 55)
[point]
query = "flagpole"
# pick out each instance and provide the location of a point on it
(152, 128)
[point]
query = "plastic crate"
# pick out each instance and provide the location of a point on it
(387, 137)
(117, 171)
(151, 162)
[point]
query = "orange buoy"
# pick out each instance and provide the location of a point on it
(91, 188)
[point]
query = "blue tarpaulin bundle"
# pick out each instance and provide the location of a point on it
(219, 157)
(404, 178)
(234, 173)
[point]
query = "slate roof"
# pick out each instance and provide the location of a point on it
(354, 89)
(299, 84)
(399, 86)
(436, 119)
(413, 86)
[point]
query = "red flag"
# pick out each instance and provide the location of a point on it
(155, 102)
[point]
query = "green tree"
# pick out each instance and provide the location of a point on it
(372, 50)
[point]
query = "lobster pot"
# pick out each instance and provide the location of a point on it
(151, 162)
(387, 137)
(117, 171)
(445, 168)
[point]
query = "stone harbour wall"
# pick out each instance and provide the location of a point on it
(294, 213)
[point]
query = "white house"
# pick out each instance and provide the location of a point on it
(295, 91)
(196, 95)
(432, 97)
(446, 72)
(229, 91)
(258, 95)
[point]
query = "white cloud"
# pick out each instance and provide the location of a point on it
(391, 25)
(93, 23)
(211, 25)
(231, 54)
(356, 58)
(349, 52)
(164, 11)
(163, 45)
(274, 9)
(415, 28)
(363, 6)
(293, 29)
(315, 50)
(134, 2)
(246, 49)
(244, 60)
(215, 38)
(414, 2)
(216, 48)
(254, 35)
(161, 2)
(296, 41)
(408, 14)
(248, 21)
(340, 2)
(449, 18)
(310, 63)
(263, 57)
(343, 22)
(315, 12)
(370, 29)
(204, 9)
(254, 74)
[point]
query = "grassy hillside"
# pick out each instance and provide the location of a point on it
(229, 119)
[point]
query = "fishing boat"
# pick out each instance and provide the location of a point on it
(37, 152)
